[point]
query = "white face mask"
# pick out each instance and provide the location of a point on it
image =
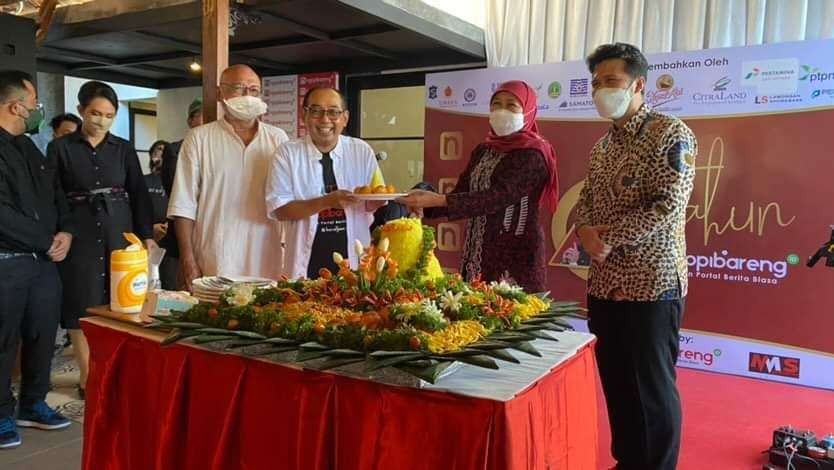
(505, 122)
(99, 125)
(612, 103)
(245, 108)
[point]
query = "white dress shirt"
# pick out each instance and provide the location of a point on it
(219, 183)
(296, 175)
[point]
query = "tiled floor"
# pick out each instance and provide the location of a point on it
(53, 450)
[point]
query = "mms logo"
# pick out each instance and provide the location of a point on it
(451, 145)
(774, 365)
(449, 237)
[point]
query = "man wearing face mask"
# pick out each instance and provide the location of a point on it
(310, 186)
(218, 199)
(630, 219)
(35, 233)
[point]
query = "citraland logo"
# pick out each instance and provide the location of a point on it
(774, 365)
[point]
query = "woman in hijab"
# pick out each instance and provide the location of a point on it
(508, 179)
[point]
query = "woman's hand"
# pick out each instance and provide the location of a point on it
(419, 199)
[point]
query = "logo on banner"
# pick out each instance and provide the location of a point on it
(578, 87)
(778, 99)
(469, 95)
(721, 84)
(554, 90)
(723, 267)
(822, 93)
(694, 357)
(813, 74)
(720, 95)
(447, 101)
(772, 76)
(666, 93)
(774, 365)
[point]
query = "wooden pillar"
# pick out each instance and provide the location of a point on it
(215, 54)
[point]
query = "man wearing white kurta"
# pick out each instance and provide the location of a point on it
(309, 186)
(218, 200)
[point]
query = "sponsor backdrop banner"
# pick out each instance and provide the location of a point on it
(284, 96)
(764, 119)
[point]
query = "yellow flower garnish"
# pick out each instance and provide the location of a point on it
(455, 336)
(534, 306)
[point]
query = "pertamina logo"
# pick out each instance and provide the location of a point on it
(774, 365)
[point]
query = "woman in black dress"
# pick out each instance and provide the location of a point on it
(104, 184)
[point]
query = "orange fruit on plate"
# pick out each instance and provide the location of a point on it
(363, 190)
(390, 189)
(380, 190)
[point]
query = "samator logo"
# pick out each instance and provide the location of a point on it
(774, 365)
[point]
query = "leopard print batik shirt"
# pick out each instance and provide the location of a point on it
(639, 181)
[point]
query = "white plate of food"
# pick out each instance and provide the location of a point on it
(379, 197)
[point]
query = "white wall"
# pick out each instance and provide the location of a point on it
(172, 111)
(121, 127)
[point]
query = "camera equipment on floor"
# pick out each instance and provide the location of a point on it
(799, 449)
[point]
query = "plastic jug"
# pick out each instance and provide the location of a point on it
(128, 276)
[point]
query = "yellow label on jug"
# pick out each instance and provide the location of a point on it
(128, 277)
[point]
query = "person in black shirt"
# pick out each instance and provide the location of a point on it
(159, 197)
(170, 264)
(108, 197)
(64, 124)
(35, 232)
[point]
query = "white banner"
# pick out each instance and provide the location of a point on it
(738, 80)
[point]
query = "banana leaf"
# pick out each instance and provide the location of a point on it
(501, 354)
(309, 346)
(183, 325)
(425, 362)
(333, 362)
(378, 362)
(542, 335)
(526, 347)
(384, 354)
(510, 336)
(249, 334)
(345, 353)
(177, 335)
(204, 339)
(429, 374)
(529, 328)
(215, 331)
(164, 318)
(244, 343)
(275, 350)
(277, 340)
(480, 361)
(461, 353)
(485, 345)
(310, 354)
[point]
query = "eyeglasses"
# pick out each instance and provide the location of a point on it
(242, 89)
(317, 112)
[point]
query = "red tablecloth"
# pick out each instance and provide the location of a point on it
(183, 407)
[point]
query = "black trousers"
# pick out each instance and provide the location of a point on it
(637, 349)
(30, 306)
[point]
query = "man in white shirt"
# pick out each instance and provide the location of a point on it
(218, 198)
(310, 183)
